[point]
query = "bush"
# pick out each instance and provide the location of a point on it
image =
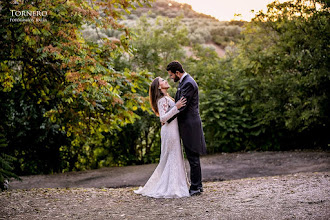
(6, 167)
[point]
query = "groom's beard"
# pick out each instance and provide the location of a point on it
(176, 78)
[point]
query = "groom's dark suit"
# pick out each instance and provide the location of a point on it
(190, 128)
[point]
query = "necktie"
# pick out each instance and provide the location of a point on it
(179, 84)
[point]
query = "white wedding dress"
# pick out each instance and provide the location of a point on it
(169, 180)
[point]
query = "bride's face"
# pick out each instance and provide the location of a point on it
(163, 84)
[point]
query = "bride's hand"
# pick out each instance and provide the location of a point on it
(182, 102)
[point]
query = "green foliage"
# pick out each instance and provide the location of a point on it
(6, 167)
(226, 35)
(224, 113)
(137, 143)
(68, 85)
(71, 100)
(33, 139)
(272, 92)
(286, 54)
(156, 44)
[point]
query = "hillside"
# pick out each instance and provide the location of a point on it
(202, 29)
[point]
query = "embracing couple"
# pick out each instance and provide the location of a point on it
(179, 118)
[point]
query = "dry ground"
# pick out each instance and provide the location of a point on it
(214, 168)
(294, 196)
(269, 185)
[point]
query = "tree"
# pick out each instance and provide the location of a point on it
(272, 91)
(158, 44)
(71, 81)
(226, 120)
(285, 55)
(6, 167)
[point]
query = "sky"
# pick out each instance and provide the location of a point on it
(224, 10)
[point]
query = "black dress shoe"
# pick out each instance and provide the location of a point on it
(194, 192)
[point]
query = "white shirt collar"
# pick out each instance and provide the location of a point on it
(184, 75)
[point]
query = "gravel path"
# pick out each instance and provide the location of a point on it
(255, 185)
(214, 168)
(293, 196)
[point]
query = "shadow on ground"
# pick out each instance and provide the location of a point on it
(217, 167)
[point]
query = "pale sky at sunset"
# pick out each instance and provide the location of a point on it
(225, 9)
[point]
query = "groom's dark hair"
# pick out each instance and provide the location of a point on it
(175, 66)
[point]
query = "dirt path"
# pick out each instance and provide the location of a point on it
(214, 168)
(293, 196)
(265, 185)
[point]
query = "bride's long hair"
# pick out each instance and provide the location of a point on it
(155, 94)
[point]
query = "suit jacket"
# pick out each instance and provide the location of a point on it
(189, 121)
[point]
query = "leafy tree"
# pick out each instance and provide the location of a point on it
(226, 35)
(5, 166)
(71, 81)
(158, 44)
(272, 92)
(285, 55)
(225, 116)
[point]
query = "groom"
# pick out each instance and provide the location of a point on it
(190, 125)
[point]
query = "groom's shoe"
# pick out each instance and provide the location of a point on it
(194, 192)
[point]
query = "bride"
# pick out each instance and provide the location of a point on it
(169, 180)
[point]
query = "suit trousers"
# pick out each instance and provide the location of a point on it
(195, 169)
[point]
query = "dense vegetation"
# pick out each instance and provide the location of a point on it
(273, 93)
(59, 93)
(74, 89)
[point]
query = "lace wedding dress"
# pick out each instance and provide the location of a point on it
(169, 180)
